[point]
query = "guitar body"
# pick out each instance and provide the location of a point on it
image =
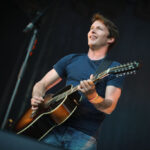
(47, 118)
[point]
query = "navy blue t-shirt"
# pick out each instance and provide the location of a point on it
(77, 67)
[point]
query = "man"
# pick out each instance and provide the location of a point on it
(97, 100)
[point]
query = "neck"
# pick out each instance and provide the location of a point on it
(97, 54)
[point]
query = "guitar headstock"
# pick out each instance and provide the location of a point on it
(125, 69)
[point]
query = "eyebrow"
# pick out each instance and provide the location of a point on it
(96, 27)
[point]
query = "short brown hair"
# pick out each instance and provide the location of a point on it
(112, 28)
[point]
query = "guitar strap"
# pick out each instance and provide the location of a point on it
(103, 66)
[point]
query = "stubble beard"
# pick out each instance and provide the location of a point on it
(95, 47)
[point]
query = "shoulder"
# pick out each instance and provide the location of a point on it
(113, 79)
(115, 63)
(74, 56)
(69, 58)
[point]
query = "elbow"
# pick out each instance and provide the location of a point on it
(107, 111)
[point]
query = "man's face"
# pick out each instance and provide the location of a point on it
(98, 35)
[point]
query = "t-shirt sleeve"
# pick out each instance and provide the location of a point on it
(61, 65)
(113, 80)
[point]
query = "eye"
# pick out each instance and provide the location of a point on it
(99, 28)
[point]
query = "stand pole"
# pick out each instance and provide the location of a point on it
(22, 69)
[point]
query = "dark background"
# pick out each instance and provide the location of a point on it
(63, 30)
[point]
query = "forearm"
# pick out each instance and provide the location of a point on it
(39, 89)
(101, 103)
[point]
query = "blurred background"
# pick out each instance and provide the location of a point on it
(62, 29)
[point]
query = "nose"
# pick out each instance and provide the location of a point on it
(93, 30)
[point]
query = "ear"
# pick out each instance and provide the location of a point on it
(111, 40)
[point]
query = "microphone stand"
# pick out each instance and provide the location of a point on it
(22, 70)
(32, 26)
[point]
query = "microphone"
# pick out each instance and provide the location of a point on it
(35, 21)
(29, 27)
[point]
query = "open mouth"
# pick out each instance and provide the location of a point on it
(93, 37)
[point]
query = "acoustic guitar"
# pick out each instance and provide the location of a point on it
(57, 108)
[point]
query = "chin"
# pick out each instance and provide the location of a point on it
(91, 44)
(92, 47)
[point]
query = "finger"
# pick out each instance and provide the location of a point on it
(84, 85)
(37, 101)
(34, 103)
(38, 98)
(34, 108)
(91, 84)
(91, 76)
(87, 84)
(80, 88)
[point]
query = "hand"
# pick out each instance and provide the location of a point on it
(35, 102)
(88, 88)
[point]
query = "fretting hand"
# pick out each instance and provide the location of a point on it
(88, 88)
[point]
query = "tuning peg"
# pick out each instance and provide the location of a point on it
(118, 70)
(118, 75)
(134, 72)
(122, 69)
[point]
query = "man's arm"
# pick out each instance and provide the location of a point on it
(40, 88)
(107, 104)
